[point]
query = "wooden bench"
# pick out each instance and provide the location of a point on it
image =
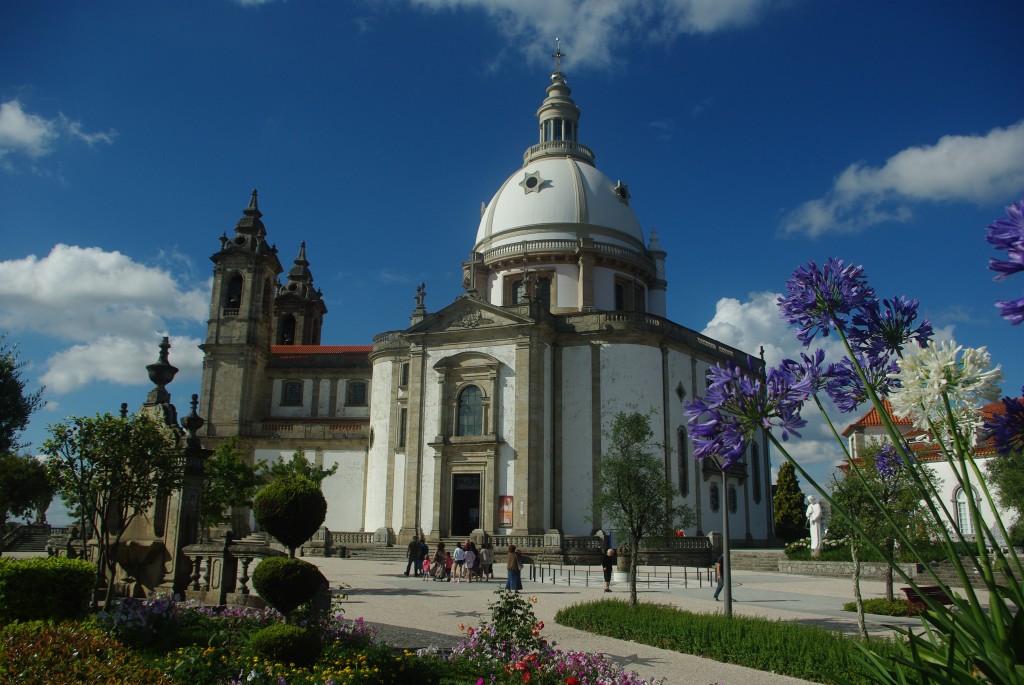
(938, 593)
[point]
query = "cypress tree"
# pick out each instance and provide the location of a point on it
(789, 505)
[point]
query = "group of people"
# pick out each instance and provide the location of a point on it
(466, 563)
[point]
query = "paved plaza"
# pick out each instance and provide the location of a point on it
(414, 613)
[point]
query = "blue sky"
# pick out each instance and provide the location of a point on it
(753, 136)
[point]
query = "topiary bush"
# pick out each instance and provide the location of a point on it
(285, 583)
(45, 588)
(290, 509)
(286, 644)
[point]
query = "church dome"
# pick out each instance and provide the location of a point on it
(558, 194)
(558, 198)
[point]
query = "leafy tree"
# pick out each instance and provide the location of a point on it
(789, 505)
(16, 406)
(24, 488)
(634, 495)
(230, 482)
(297, 467)
(112, 469)
(1006, 475)
(883, 473)
(290, 509)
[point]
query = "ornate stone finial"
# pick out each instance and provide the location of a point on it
(192, 423)
(421, 296)
(124, 410)
(252, 201)
(161, 373)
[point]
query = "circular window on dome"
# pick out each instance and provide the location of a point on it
(532, 182)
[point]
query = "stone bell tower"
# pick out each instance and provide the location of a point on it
(241, 324)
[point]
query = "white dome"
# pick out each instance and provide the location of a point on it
(558, 198)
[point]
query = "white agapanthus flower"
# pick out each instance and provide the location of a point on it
(927, 374)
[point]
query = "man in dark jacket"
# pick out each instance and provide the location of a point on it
(413, 556)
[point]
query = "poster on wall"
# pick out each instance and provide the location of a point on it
(505, 511)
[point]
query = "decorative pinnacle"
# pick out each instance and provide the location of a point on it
(558, 55)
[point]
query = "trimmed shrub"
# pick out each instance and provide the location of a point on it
(883, 607)
(45, 588)
(290, 509)
(39, 653)
(287, 644)
(285, 583)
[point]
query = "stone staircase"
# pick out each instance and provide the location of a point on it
(756, 559)
(33, 540)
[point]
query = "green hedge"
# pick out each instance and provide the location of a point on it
(788, 648)
(45, 588)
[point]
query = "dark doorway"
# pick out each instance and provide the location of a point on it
(465, 503)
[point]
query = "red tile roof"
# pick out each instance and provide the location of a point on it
(873, 419)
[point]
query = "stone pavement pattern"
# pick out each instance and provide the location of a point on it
(413, 613)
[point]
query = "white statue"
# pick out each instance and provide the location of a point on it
(814, 522)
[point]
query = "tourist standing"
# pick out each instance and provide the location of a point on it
(607, 564)
(487, 561)
(459, 559)
(513, 567)
(470, 562)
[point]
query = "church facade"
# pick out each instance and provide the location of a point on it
(490, 413)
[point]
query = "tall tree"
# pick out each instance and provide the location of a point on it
(882, 473)
(16, 405)
(297, 467)
(230, 482)
(789, 505)
(634, 495)
(113, 469)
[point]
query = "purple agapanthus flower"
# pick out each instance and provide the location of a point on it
(1008, 234)
(740, 401)
(886, 327)
(810, 370)
(818, 299)
(888, 461)
(844, 385)
(1008, 428)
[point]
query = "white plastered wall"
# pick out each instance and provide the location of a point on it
(382, 406)
(577, 443)
(344, 490)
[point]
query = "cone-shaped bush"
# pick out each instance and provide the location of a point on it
(290, 509)
(285, 583)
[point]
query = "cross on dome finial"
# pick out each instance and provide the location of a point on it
(558, 55)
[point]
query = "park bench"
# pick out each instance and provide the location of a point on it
(938, 593)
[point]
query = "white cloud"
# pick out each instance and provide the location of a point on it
(593, 30)
(117, 360)
(972, 168)
(112, 308)
(34, 136)
(22, 132)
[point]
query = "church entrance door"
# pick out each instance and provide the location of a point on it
(465, 503)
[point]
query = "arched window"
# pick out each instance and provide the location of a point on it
(471, 412)
(963, 513)
(715, 499)
(684, 464)
(233, 298)
(732, 499)
(286, 335)
(755, 467)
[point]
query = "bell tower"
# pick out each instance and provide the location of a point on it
(299, 308)
(238, 335)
